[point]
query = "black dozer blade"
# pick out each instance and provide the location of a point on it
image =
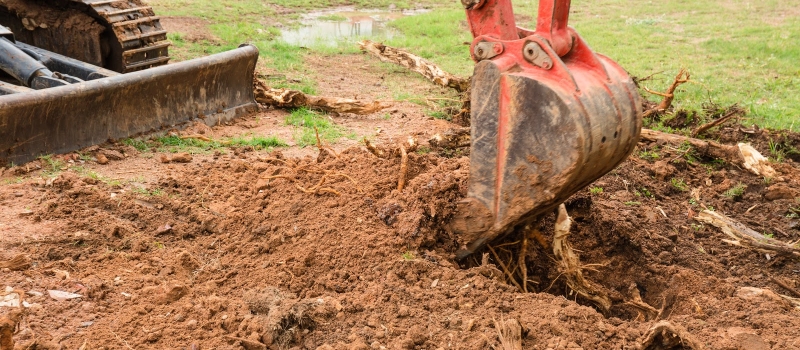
(62, 119)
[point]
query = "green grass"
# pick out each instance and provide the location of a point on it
(596, 190)
(258, 142)
(737, 51)
(736, 191)
(679, 184)
(307, 120)
(51, 167)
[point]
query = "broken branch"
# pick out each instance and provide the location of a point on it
(415, 63)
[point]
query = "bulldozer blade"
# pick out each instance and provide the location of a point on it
(212, 89)
(539, 136)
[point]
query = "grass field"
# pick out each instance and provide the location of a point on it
(737, 51)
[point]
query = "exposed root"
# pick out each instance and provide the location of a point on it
(508, 273)
(523, 250)
(569, 263)
(415, 63)
(510, 334)
(786, 286)
(743, 236)
(285, 98)
(401, 181)
(645, 310)
(666, 336)
(682, 77)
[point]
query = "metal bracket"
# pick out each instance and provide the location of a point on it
(485, 50)
(534, 54)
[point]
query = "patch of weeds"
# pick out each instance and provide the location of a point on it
(16, 180)
(596, 190)
(769, 235)
(767, 180)
(679, 184)
(158, 245)
(651, 154)
(408, 256)
(51, 167)
(643, 192)
(149, 193)
(735, 191)
(424, 150)
(84, 157)
(309, 122)
(692, 202)
(386, 116)
(258, 142)
(174, 144)
(775, 149)
(697, 227)
(139, 145)
(632, 203)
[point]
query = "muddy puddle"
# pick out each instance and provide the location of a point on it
(345, 24)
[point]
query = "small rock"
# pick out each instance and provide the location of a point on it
(62, 295)
(173, 293)
(181, 158)
(164, 158)
(164, 229)
(779, 191)
(111, 154)
(663, 170)
(86, 324)
(191, 324)
(403, 311)
(101, 159)
(418, 334)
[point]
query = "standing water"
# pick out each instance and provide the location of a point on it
(333, 26)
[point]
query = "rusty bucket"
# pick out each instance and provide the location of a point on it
(549, 116)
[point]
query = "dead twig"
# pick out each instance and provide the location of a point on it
(785, 286)
(401, 181)
(734, 111)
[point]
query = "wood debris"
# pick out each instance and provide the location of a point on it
(733, 111)
(742, 154)
(286, 98)
(743, 236)
(415, 63)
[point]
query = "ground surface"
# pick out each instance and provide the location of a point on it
(228, 251)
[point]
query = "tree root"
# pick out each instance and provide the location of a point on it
(742, 155)
(285, 98)
(510, 334)
(569, 263)
(668, 96)
(415, 63)
(17, 263)
(743, 236)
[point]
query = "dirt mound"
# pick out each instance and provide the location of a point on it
(257, 251)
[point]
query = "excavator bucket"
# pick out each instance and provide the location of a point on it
(111, 106)
(549, 116)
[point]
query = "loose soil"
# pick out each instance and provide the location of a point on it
(229, 251)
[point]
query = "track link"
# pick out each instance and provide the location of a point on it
(138, 31)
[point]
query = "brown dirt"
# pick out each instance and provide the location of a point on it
(211, 254)
(192, 29)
